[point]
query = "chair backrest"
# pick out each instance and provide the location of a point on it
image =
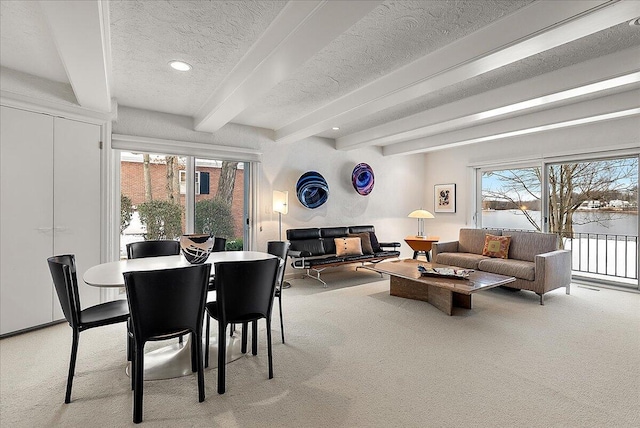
(219, 244)
(245, 289)
(164, 302)
(280, 249)
(141, 249)
(63, 272)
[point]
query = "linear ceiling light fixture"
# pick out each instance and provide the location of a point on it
(180, 65)
(559, 125)
(563, 95)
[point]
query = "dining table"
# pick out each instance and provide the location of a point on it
(171, 360)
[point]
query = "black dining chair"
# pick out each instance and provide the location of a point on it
(164, 304)
(244, 293)
(63, 272)
(280, 249)
(141, 249)
(153, 248)
(219, 244)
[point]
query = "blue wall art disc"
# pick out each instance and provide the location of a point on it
(362, 178)
(312, 189)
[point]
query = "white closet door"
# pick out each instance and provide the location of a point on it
(77, 212)
(26, 221)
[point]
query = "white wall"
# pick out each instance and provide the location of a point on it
(455, 165)
(397, 191)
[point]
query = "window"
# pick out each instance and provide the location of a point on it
(511, 199)
(201, 184)
(155, 204)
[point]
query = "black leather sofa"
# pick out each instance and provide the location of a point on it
(313, 249)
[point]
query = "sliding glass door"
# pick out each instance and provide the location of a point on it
(592, 205)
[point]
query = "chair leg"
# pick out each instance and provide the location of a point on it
(281, 322)
(180, 339)
(129, 341)
(222, 353)
(206, 338)
(138, 372)
(132, 368)
(194, 353)
(254, 337)
(269, 350)
(72, 364)
(197, 339)
(245, 335)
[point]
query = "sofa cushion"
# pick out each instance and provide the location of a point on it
(526, 245)
(360, 229)
(519, 268)
(387, 254)
(309, 233)
(365, 241)
(472, 240)
(313, 246)
(375, 244)
(496, 246)
(328, 234)
(464, 260)
(348, 247)
(356, 258)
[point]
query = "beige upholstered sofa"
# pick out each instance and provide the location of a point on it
(533, 258)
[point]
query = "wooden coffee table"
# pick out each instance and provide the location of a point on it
(443, 293)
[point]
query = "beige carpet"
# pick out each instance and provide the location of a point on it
(357, 357)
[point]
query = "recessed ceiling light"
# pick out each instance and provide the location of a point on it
(180, 65)
(635, 21)
(335, 128)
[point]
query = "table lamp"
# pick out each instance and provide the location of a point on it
(280, 206)
(421, 215)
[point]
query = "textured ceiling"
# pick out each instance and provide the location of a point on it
(394, 34)
(299, 68)
(620, 37)
(212, 36)
(25, 42)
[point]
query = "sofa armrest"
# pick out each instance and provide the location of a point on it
(389, 244)
(554, 269)
(297, 254)
(443, 247)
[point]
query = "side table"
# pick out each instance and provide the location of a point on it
(421, 245)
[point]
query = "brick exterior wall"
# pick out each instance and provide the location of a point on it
(132, 185)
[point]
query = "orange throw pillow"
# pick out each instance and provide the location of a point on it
(496, 246)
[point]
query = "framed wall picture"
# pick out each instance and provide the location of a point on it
(445, 198)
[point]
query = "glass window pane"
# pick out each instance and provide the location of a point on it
(152, 205)
(219, 208)
(511, 199)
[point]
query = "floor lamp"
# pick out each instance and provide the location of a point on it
(280, 206)
(420, 215)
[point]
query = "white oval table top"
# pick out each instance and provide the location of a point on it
(110, 274)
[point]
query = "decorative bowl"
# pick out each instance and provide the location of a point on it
(312, 189)
(196, 247)
(362, 179)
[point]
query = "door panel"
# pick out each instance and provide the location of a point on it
(26, 235)
(77, 211)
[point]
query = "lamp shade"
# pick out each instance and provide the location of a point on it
(280, 202)
(421, 214)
